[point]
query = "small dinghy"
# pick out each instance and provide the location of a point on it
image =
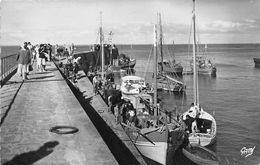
(200, 155)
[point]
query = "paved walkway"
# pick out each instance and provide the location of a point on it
(29, 109)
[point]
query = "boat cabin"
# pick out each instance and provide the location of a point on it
(197, 120)
(132, 85)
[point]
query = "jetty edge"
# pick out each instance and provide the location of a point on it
(113, 134)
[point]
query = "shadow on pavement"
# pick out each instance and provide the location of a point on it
(10, 105)
(42, 77)
(13, 82)
(33, 156)
(31, 81)
(40, 73)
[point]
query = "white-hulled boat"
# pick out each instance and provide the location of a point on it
(132, 85)
(202, 125)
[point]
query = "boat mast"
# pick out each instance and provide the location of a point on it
(160, 37)
(102, 47)
(206, 49)
(155, 70)
(195, 74)
(173, 54)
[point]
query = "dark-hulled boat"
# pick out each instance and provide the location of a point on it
(257, 62)
(170, 67)
(169, 71)
(200, 155)
(125, 62)
(91, 60)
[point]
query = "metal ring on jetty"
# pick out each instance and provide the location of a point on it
(64, 130)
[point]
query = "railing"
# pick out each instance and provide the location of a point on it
(8, 65)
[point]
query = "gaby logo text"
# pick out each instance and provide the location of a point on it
(247, 151)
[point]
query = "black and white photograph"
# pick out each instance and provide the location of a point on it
(130, 82)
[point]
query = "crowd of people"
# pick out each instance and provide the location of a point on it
(28, 54)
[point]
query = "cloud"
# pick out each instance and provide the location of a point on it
(220, 26)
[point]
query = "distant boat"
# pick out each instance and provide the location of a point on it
(201, 125)
(200, 155)
(205, 66)
(257, 62)
(204, 63)
(169, 67)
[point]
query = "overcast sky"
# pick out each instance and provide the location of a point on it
(131, 21)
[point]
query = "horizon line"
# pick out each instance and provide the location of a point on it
(145, 44)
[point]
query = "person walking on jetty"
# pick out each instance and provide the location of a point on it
(42, 56)
(116, 113)
(23, 58)
(38, 59)
(29, 66)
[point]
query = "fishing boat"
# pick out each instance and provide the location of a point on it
(204, 63)
(201, 125)
(257, 62)
(167, 66)
(152, 134)
(205, 66)
(169, 71)
(125, 62)
(131, 85)
(200, 155)
(170, 67)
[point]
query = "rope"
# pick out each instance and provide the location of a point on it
(187, 62)
(149, 59)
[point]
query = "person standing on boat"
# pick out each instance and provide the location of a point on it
(109, 100)
(116, 113)
(95, 84)
(23, 59)
(76, 66)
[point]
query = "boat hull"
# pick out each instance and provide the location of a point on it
(207, 71)
(151, 142)
(257, 62)
(169, 87)
(174, 70)
(202, 139)
(155, 152)
(129, 65)
(200, 155)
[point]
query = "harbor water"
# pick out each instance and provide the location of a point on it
(233, 96)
